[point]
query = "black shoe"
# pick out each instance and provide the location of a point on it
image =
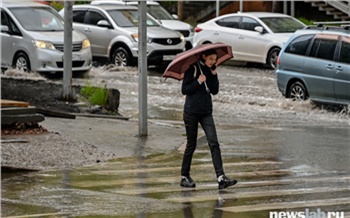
(187, 182)
(226, 182)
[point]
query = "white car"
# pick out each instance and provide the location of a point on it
(32, 39)
(254, 36)
(156, 11)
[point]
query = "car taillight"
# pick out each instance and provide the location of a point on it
(197, 29)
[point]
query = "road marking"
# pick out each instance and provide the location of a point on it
(176, 179)
(258, 194)
(239, 185)
(40, 215)
(287, 205)
(169, 169)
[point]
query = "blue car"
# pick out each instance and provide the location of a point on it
(315, 64)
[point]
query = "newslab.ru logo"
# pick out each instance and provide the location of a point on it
(306, 214)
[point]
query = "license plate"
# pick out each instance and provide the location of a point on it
(75, 57)
(168, 57)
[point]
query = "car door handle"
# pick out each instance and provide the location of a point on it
(215, 33)
(241, 37)
(329, 66)
(339, 68)
(87, 30)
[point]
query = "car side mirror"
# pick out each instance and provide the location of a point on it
(104, 23)
(4, 29)
(259, 29)
(175, 16)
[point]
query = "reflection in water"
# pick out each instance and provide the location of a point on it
(187, 206)
(140, 164)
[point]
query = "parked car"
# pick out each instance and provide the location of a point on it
(32, 39)
(113, 33)
(254, 36)
(315, 65)
(156, 11)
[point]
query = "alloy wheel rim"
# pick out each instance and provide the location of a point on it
(297, 93)
(21, 64)
(120, 59)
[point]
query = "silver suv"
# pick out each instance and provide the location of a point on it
(32, 39)
(113, 33)
(156, 11)
(315, 64)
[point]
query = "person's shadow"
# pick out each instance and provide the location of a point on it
(187, 206)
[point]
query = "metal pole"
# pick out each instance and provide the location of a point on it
(285, 7)
(292, 8)
(241, 5)
(142, 68)
(217, 8)
(67, 54)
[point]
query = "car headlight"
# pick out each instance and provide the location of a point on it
(86, 43)
(182, 37)
(135, 36)
(43, 44)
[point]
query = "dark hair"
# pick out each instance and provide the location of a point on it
(210, 52)
(207, 53)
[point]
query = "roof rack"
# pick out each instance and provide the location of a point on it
(344, 26)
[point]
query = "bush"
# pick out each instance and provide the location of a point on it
(95, 95)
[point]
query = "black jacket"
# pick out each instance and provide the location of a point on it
(198, 100)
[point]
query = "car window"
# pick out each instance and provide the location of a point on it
(38, 18)
(159, 13)
(345, 50)
(249, 23)
(129, 18)
(7, 21)
(232, 22)
(324, 46)
(282, 24)
(299, 45)
(79, 16)
(93, 17)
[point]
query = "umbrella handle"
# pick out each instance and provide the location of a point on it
(206, 86)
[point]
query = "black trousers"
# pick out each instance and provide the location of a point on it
(208, 125)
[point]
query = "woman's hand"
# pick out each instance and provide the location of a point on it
(214, 72)
(202, 78)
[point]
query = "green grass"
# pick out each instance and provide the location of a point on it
(95, 95)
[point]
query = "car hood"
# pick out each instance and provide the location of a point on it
(175, 24)
(56, 36)
(157, 32)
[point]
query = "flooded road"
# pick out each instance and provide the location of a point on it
(287, 156)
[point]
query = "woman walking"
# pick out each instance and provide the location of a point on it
(200, 81)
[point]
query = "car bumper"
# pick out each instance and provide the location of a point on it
(162, 56)
(47, 60)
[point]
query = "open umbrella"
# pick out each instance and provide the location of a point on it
(176, 69)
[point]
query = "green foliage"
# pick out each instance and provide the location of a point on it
(95, 95)
(58, 5)
(306, 21)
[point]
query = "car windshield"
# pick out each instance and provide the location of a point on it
(159, 13)
(282, 24)
(38, 19)
(129, 18)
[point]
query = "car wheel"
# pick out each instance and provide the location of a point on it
(297, 92)
(121, 58)
(272, 58)
(21, 62)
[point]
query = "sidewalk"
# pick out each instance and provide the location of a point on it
(120, 136)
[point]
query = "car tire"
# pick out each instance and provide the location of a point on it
(121, 58)
(21, 62)
(297, 92)
(271, 61)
